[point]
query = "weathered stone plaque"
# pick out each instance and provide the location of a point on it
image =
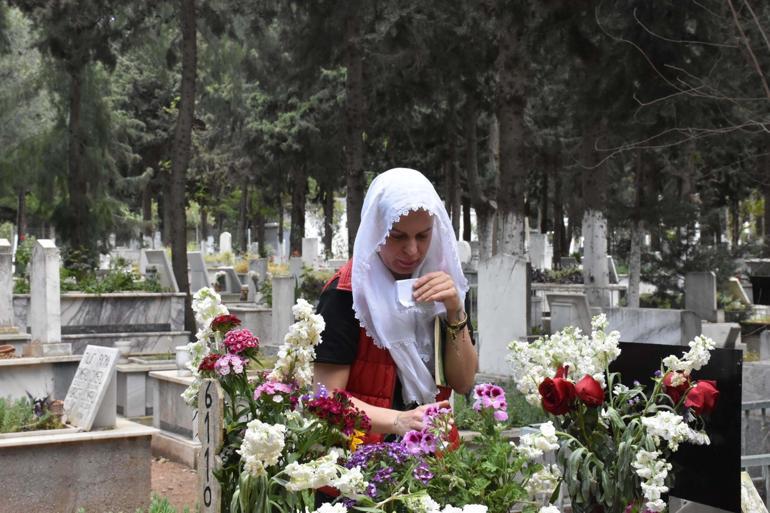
(95, 375)
(211, 427)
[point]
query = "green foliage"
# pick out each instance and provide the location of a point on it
(520, 412)
(24, 255)
(158, 504)
(19, 415)
(311, 284)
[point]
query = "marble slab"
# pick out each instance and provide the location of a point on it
(654, 325)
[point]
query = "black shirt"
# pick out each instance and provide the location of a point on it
(341, 334)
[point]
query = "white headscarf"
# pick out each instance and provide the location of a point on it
(406, 334)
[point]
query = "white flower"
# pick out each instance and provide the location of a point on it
(332, 508)
(673, 429)
(698, 356)
(423, 503)
(190, 394)
(351, 482)
(549, 509)
(543, 482)
(297, 353)
(534, 445)
(475, 508)
(262, 446)
(653, 472)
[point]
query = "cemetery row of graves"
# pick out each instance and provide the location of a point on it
(119, 369)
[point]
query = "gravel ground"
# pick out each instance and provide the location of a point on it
(175, 482)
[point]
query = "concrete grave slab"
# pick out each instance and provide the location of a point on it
(653, 325)
(158, 259)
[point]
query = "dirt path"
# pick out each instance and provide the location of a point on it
(175, 482)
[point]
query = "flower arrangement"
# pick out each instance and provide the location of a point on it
(614, 441)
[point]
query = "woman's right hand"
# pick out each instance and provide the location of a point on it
(412, 420)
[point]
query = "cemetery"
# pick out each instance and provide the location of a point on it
(394, 257)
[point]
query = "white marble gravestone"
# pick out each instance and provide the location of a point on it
(502, 310)
(464, 252)
(210, 433)
(309, 251)
(737, 292)
(199, 273)
(283, 300)
(569, 310)
(6, 286)
(233, 283)
(45, 301)
(91, 400)
(654, 325)
(537, 250)
(225, 243)
(295, 267)
(158, 259)
(259, 266)
(700, 294)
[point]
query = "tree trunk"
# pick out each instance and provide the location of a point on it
(510, 105)
(259, 220)
(735, 223)
(243, 217)
(355, 105)
(328, 208)
(595, 270)
(766, 223)
(147, 212)
(79, 203)
(635, 255)
(298, 190)
(544, 200)
(181, 155)
(466, 204)
(454, 192)
(204, 223)
(483, 206)
(21, 216)
(559, 233)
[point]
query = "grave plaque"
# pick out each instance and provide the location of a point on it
(210, 432)
(87, 403)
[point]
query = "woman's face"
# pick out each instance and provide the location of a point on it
(407, 243)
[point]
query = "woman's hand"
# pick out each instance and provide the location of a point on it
(439, 286)
(412, 420)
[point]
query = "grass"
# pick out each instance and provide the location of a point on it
(17, 416)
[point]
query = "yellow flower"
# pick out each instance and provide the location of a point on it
(356, 439)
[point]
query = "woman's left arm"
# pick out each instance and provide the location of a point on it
(460, 358)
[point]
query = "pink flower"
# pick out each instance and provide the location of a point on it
(271, 388)
(237, 341)
(229, 362)
(491, 396)
(413, 442)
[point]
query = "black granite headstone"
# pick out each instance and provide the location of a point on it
(706, 474)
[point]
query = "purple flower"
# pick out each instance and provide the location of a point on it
(422, 473)
(229, 362)
(428, 443)
(413, 441)
(501, 415)
(383, 475)
(658, 373)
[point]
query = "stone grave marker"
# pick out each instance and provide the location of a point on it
(199, 273)
(45, 301)
(537, 250)
(309, 251)
(225, 243)
(283, 300)
(92, 397)
(737, 292)
(724, 334)
(464, 252)
(654, 325)
(700, 294)
(259, 266)
(503, 289)
(252, 280)
(233, 283)
(295, 267)
(210, 433)
(569, 310)
(6, 287)
(612, 270)
(158, 259)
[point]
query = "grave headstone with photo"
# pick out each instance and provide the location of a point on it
(700, 294)
(91, 400)
(503, 289)
(158, 260)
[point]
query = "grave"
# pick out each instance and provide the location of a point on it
(309, 251)
(503, 289)
(177, 438)
(653, 325)
(760, 346)
(44, 303)
(569, 310)
(272, 247)
(283, 300)
(724, 334)
(225, 243)
(158, 259)
(9, 332)
(464, 252)
(536, 250)
(612, 270)
(199, 273)
(259, 266)
(66, 463)
(736, 291)
(134, 388)
(295, 267)
(700, 294)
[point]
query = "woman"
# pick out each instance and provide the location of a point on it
(377, 349)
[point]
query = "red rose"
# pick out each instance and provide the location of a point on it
(589, 391)
(562, 371)
(224, 323)
(675, 392)
(702, 397)
(557, 395)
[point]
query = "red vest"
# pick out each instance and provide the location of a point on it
(373, 374)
